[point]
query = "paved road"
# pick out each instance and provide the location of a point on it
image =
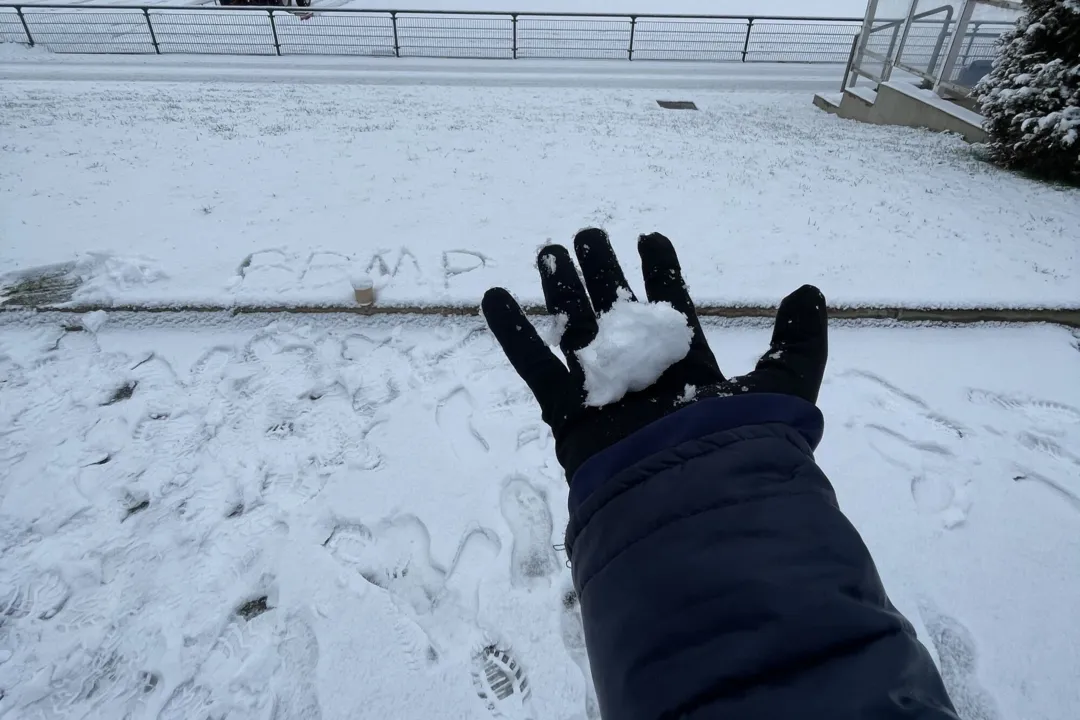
(391, 71)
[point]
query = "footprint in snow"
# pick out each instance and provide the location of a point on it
(526, 511)
(395, 556)
(295, 695)
(573, 637)
(440, 607)
(501, 683)
(958, 657)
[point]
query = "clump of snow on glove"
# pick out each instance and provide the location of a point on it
(635, 344)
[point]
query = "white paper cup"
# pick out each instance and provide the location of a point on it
(363, 289)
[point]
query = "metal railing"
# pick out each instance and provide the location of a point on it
(917, 42)
(962, 49)
(246, 30)
(923, 49)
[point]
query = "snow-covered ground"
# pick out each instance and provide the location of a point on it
(330, 516)
(272, 193)
(204, 516)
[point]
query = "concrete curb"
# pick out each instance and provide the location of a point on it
(1064, 316)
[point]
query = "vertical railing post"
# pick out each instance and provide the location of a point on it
(971, 41)
(865, 32)
(908, 23)
(273, 28)
(25, 27)
(397, 46)
(150, 27)
(940, 42)
(889, 52)
(746, 42)
(633, 29)
(513, 18)
(947, 68)
(849, 69)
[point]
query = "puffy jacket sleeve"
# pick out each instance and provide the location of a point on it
(718, 578)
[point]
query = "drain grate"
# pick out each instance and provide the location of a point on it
(676, 104)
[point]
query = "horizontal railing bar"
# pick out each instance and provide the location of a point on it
(471, 13)
(77, 9)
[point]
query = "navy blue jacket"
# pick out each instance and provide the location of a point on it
(719, 579)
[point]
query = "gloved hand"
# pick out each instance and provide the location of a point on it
(794, 364)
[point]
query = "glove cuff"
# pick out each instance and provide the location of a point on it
(696, 420)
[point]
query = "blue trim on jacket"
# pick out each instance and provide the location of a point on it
(696, 420)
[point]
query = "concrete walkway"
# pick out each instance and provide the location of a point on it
(1067, 317)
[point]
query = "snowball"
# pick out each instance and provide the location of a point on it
(92, 321)
(635, 344)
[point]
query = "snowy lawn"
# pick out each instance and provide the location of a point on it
(272, 194)
(203, 516)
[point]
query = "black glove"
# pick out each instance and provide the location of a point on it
(794, 364)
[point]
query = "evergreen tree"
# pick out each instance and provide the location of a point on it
(1031, 98)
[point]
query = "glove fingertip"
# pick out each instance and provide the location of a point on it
(653, 244)
(550, 257)
(496, 299)
(807, 296)
(805, 308)
(587, 237)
